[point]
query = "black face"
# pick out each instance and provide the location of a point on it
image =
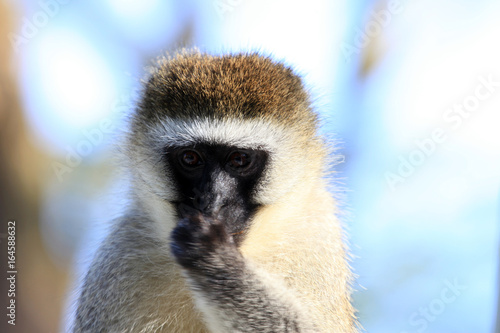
(217, 181)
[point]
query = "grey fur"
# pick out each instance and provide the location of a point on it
(161, 272)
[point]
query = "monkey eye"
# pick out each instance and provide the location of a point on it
(238, 160)
(190, 158)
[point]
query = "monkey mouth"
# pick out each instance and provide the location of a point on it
(235, 219)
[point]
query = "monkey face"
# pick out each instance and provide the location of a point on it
(221, 136)
(217, 181)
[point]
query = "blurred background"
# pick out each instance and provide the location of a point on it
(409, 90)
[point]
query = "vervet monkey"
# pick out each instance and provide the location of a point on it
(232, 228)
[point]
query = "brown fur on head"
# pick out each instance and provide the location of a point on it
(249, 86)
(241, 100)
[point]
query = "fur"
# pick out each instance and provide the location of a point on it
(292, 258)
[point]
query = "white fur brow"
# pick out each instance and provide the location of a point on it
(232, 132)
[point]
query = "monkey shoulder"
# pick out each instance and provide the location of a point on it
(120, 283)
